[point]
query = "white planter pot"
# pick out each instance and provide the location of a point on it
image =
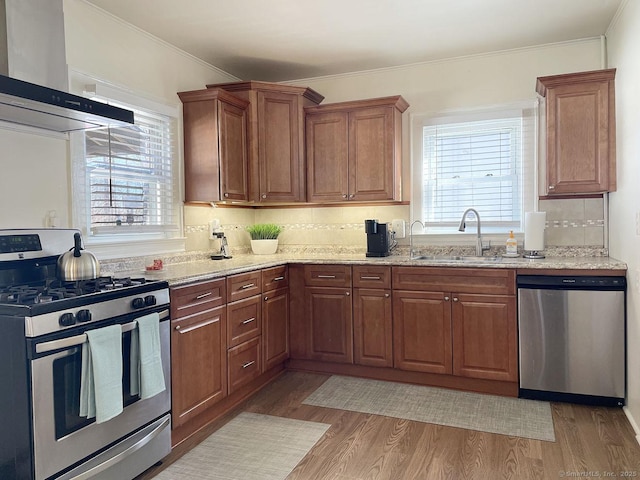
(264, 247)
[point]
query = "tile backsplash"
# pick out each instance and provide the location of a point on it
(570, 223)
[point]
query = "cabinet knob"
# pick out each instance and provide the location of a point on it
(446, 299)
(347, 293)
(344, 195)
(455, 299)
(351, 195)
(551, 187)
(264, 195)
(266, 298)
(226, 195)
(386, 295)
(177, 327)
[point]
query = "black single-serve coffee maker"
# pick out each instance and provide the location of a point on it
(380, 238)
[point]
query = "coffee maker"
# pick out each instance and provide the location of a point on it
(380, 238)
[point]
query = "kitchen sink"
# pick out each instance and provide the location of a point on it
(457, 259)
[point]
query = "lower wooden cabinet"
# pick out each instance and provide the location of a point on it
(422, 331)
(330, 323)
(485, 337)
(275, 327)
(198, 363)
(467, 332)
(372, 327)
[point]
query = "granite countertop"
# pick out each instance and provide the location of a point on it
(205, 269)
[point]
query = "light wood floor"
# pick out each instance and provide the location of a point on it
(591, 442)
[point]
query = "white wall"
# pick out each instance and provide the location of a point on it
(623, 39)
(35, 169)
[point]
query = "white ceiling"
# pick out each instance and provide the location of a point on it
(278, 40)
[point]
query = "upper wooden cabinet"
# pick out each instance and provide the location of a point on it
(580, 132)
(354, 150)
(276, 138)
(215, 146)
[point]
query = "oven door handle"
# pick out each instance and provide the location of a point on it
(45, 347)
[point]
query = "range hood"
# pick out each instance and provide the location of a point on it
(33, 72)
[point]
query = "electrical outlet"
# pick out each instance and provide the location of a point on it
(398, 226)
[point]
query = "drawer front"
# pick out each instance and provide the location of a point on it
(327, 275)
(243, 320)
(498, 281)
(276, 277)
(243, 363)
(190, 299)
(371, 277)
(243, 285)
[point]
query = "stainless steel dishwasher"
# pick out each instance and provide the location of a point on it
(572, 338)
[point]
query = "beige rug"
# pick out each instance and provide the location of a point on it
(487, 413)
(249, 447)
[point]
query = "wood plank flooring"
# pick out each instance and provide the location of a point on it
(591, 442)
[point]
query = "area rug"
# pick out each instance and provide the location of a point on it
(250, 447)
(473, 411)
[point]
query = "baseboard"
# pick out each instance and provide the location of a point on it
(633, 423)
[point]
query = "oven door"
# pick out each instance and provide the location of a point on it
(62, 438)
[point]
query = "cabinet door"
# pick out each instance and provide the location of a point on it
(485, 337)
(233, 152)
(372, 327)
(578, 138)
(330, 324)
(198, 364)
(372, 174)
(201, 159)
(279, 147)
(275, 330)
(327, 157)
(422, 331)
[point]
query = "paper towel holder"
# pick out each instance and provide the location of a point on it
(534, 235)
(535, 254)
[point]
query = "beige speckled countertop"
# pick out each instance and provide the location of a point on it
(205, 269)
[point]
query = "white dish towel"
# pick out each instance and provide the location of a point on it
(147, 376)
(101, 374)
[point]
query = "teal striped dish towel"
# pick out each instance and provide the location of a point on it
(147, 376)
(101, 374)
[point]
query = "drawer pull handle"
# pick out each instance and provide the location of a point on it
(326, 276)
(370, 278)
(277, 279)
(203, 295)
(248, 285)
(249, 320)
(248, 364)
(196, 326)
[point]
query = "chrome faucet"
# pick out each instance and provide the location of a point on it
(479, 248)
(411, 253)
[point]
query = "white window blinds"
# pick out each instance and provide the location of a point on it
(475, 162)
(130, 176)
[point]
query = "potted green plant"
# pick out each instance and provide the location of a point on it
(264, 237)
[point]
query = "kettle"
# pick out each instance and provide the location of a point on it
(77, 263)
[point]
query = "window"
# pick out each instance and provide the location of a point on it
(125, 179)
(482, 161)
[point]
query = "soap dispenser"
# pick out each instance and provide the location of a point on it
(512, 245)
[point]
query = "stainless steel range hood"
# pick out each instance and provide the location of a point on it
(33, 72)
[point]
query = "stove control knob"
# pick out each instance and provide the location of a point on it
(66, 319)
(137, 302)
(83, 316)
(150, 300)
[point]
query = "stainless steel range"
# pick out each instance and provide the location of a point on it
(43, 324)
